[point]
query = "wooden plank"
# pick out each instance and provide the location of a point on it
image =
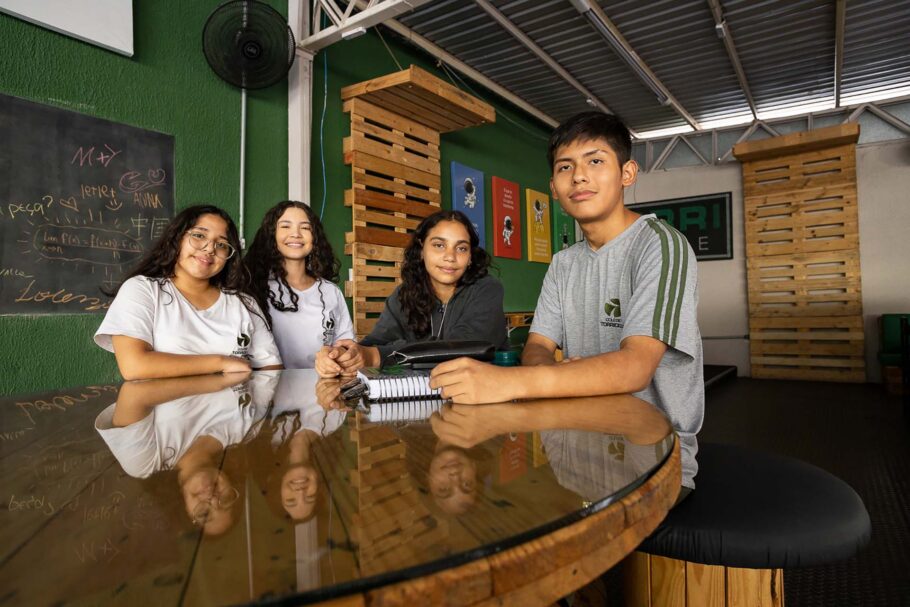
(358, 143)
(364, 326)
(379, 474)
(804, 361)
(387, 219)
(394, 103)
(370, 307)
(364, 270)
(374, 252)
(376, 510)
(668, 582)
(377, 200)
(373, 288)
(374, 113)
(386, 238)
(839, 375)
(366, 162)
(448, 118)
(705, 585)
(808, 322)
(799, 183)
(750, 588)
(637, 579)
(368, 458)
(804, 141)
(374, 84)
(412, 192)
(455, 96)
(393, 136)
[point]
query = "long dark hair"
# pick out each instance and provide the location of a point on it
(159, 263)
(416, 293)
(264, 261)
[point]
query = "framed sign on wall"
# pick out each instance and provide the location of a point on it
(705, 221)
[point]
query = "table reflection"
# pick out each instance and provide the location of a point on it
(223, 489)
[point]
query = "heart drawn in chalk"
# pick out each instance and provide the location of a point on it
(156, 176)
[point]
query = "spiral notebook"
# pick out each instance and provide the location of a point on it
(400, 385)
(402, 410)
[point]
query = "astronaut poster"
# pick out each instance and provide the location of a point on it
(467, 197)
(563, 229)
(506, 219)
(538, 230)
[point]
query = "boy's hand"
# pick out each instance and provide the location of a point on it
(466, 426)
(468, 381)
(328, 394)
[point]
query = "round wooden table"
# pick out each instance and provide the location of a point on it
(209, 491)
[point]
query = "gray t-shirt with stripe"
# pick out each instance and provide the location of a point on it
(643, 282)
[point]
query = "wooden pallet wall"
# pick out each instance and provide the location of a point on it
(393, 152)
(802, 250)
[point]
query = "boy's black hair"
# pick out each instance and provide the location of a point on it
(587, 126)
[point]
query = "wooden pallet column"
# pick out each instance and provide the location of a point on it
(393, 151)
(802, 255)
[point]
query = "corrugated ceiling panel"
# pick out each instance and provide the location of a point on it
(876, 47)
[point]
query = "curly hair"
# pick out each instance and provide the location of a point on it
(416, 293)
(161, 260)
(264, 262)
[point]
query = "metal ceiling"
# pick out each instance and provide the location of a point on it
(788, 52)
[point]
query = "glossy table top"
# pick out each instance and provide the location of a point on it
(212, 490)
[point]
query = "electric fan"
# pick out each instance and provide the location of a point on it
(248, 44)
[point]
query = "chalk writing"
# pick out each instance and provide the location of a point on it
(29, 209)
(146, 200)
(13, 273)
(97, 191)
(158, 226)
(85, 243)
(10, 436)
(134, 181)
(62, 402)
(139, 223)
(38, 503)
(104, 550)
(61, 296)
(89, 156)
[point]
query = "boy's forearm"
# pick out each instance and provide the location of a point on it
(535, 354)
(611, 373)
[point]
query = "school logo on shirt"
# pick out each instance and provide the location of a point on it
(243, 346)
(244, 399)
(328, 330)
(612, 313)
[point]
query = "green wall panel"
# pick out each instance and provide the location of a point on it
(514, 150)
(166, 86)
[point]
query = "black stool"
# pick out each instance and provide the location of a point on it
(751, 515)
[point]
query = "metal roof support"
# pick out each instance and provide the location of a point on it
(541, 54)
(457, 64)
(840, 17)
(347, 25)
(664, 154)
(724, 33)
(602, 24)
(890, 118)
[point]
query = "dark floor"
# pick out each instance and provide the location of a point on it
(854, 431)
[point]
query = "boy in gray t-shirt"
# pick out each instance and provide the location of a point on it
(621, 304)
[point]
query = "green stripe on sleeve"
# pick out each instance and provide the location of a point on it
(664, 264)
(682, 290)
(674, 279)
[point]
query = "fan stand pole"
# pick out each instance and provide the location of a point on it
(242, 163)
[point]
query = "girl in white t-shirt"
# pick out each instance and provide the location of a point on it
(182, 311)
(293, 270)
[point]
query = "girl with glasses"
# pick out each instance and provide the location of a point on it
(183, 310)
(293, 270)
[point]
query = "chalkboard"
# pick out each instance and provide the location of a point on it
(81, 200)
(705, 221)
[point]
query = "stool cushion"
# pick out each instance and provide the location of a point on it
(761, 511)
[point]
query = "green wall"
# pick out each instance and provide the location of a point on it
(166, 86)
(513, 152)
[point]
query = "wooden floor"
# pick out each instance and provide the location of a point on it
(854, 431)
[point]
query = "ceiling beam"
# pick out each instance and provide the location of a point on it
(347, 25)
(840, 19)
(602, 24)
(724, 33)
(532, 46)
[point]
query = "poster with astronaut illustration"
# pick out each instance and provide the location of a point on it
(467, 197)
(563, 229)
(506, 219)
(537, 208)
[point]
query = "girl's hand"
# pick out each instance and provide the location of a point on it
(325, 362)
(351, 357)
(233, 364)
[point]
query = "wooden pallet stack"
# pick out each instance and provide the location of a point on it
(802, 251)
(392, 525)
(393, 151)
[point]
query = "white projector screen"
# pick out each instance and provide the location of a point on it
(106, 23)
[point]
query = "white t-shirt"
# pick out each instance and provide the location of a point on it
(296, 393)
(160, 439)
(321, 318)
(162, 317)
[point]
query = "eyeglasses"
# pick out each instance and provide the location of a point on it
(222, 502)
(200, 241)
